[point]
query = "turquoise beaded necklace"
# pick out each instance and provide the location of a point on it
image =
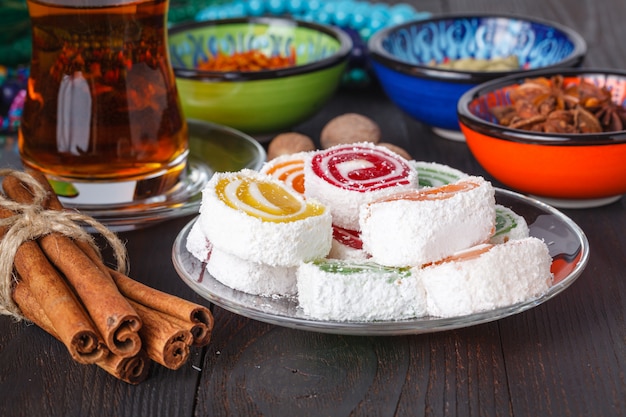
(360, 19)
(364, 17)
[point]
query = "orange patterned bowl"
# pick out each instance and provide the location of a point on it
(567, 170)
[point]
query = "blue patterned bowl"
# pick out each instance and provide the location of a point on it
(405, 59)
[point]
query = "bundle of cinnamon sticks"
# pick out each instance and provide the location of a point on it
(101, 315)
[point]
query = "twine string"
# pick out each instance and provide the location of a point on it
(32, 221)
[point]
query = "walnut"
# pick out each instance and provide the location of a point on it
(289, 143)
(349, 128)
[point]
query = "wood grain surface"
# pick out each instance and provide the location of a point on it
(566, 357)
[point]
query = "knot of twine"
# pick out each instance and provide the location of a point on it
(31, 221)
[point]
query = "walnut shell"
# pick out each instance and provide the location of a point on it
(349, 128)
(397, 149)
(289, 143)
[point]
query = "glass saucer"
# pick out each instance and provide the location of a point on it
(453, 135)
(213, 148)
(563, 203)
(566, 241)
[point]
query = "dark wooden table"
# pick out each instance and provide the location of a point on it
(566, 357)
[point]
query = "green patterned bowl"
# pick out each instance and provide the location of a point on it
(265, 101)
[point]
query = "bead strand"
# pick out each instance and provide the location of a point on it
(364, 17)
(13, 87)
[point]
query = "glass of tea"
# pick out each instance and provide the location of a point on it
(102, 118)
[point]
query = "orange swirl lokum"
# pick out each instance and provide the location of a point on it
(289, 169)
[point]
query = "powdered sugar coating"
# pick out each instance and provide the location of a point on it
(239, 274)
(509, 225)
(432, 174)
(347, 245)
(197, 244)
(345, 252)
(344, 177)
(366, 293)
(251, 277)
(289, 169)
(271, 266)
(415, 232)
(252, 239)
(500, 277)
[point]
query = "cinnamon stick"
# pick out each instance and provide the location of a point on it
(164, 341)
(22, 193)
(169, 324)
(114, 317)
(74, 326)
(133, 370)
(196, 318)
(25, 195)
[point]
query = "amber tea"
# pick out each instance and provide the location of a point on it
(102, 103)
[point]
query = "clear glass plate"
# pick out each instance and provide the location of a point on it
(566, 241)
